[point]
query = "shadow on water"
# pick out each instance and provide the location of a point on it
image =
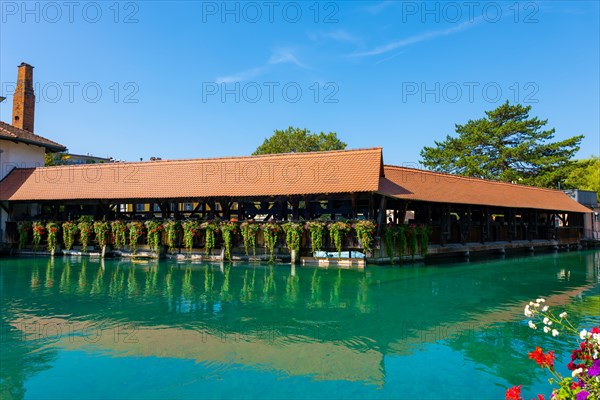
(284, 319)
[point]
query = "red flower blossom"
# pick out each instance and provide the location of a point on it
(543, 360)
(540, 397)
(514, 393)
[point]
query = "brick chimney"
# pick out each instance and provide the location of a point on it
(24, 99)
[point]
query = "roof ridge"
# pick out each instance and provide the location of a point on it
(473, 178)
(15, 132)
(210, 159)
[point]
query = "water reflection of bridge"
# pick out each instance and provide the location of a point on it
(327, 324)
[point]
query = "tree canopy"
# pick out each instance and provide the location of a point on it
(296, 140)
(507, 145)
(585, 175)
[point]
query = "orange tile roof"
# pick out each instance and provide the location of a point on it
(9, 132)
(416, 184)
(268, 175)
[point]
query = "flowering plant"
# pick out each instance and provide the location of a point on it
(24, 227)
(412, 239)
(584, 383)
(191, 229)
(38, 231)
(365, 231)
(119, 233)
(401, 240)
(101, 229)
(293, 235)
(84, 226)
(53, 228)
(69, 229)
(171, 230)
(153, 232)
(270, 231)
(317, 230)
(389, 237)
(136, 231)
(423, 232)
(338, 231)
(228, 230)
(211, 228)
(249, 232)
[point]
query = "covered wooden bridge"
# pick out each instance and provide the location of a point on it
(352, 184)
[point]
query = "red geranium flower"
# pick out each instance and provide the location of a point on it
(514, 393)
(543, 360)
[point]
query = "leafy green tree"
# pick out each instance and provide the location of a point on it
(585, 175)
(506, 145)
(296, 140)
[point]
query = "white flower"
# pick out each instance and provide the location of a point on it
(540, 300)
(536, 305)
(531, 304)
(576, 372)
(531, 325)
(583, 334)
(546, 329)
(549, 323)
(563, 315)
(546, 321)
(554, 332)
(528, 312)
(545, 308)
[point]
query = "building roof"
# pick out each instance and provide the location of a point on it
(12, 133)
(267, 175)
(415, 184)
(343, 171)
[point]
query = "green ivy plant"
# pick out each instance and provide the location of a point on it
(119, 233)
(317, 231)
(102, 230)
(401, 240)
(171, 231)
(211, 227)
(271, 232)
(423, 232)
(228, 230)
(84, 225)
(191, 229)
(24, 227)
(365, 230)
(53, 229)
(136, 231)
(154, 230)
(38, 231)
(413, 240)
(389, 238)
(249, 233)
(338, 231)
(293, 235)
(69, 230)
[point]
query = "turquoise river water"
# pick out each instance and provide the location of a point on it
(92, 329)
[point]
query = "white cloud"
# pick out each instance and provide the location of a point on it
(416, 39)
(282, 56)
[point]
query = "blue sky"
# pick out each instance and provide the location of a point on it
(186, 79)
